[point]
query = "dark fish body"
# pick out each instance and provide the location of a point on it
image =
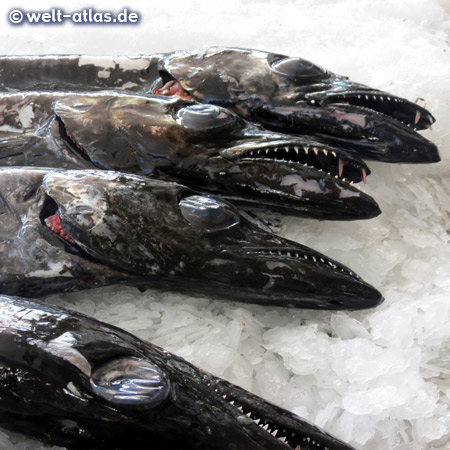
(69, 230)
(207, 147)
(70, 380)
(75, 73)
(282, 93)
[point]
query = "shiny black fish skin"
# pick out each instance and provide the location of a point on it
(72, 230)
(282, 93)
(203, 146)
(71, 380)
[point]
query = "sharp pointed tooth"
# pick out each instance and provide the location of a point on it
(367, 97)
(241, 409)
(275, 150)
(232, 402)
(417, 118)
(364, 175)
(325, 151)
(257, 421)
(224, 397)
(389, 99)
(341, 167)
(314, 259)
(296, 150)
(359, 96)
(374, 97)
(265, 427)
(267, 151)
(282, 439)
(274, 433)
(334, 154)
(287, 149)
(306, 150)
(315, 150)
(249, 414)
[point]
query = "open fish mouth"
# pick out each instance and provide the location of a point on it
(68, 372)
(206, 147)
(300, 170)
(303, 175)
(292, 95)
(411, 114)
(268, 425)
(309, 154)
(282, 93)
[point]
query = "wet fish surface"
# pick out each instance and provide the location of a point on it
(63, 230)
(282, 93)
(204, 146)
(71, 380)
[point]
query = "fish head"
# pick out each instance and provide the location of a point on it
(79, 382)
(294, 95)
(211, 148)
(167, 233)
(37, 256)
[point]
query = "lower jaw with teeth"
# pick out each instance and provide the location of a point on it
(286, 436)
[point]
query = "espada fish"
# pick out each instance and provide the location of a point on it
(206, 147)
(70, 380)
(70, 230)
(282, 93)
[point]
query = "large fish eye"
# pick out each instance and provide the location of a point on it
(205, 117)
(208, 213)
(297, 69)
(130, 381)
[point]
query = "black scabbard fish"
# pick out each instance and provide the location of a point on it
(69, 230)
(70, 380)
(206, 147)
(282, 93)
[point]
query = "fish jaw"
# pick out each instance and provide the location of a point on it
(344, 91)
(297, 177)
(166, 233)
(265, 422)
(361, 132)
(290, 276)
(204, 146)
(293, 95)
(178, 140)
(74, 381)
(286, 188)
